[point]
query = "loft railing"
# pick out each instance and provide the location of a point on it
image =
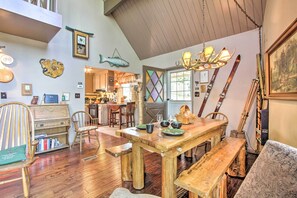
(51, 5)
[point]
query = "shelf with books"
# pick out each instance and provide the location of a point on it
(52, 122)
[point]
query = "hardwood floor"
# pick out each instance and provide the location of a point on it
(69, 173)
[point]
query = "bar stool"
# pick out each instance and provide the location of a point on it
(114, 110)
(129, 114)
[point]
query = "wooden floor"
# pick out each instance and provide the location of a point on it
(68, 173)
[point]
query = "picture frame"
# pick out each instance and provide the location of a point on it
(80, 44)
(203, 76)
(66, 96)
(281, 73)
(26, 89)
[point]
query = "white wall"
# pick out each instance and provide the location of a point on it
(245, 44)
(282, 114)
(77, 14)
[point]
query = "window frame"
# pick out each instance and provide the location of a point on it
(169, 80)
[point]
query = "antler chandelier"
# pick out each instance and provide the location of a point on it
(207, 59)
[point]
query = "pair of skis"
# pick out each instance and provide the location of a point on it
(225, 89)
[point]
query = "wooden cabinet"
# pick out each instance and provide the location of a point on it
(103, 80)
(51, 122)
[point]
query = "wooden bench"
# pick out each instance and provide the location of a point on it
(125, 152)
(207, 177)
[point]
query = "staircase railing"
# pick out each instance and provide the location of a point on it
(51, 5)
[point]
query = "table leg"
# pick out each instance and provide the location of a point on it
(137, 166)
(215, 140)
(169, 169)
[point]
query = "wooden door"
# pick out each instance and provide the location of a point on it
(154, 94)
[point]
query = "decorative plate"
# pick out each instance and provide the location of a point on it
(141, 127)
(173, 132)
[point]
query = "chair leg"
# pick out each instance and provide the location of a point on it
(89, 136)
(73, 141)
(97, 138)
(80, 143)
(26, 185)
(120, 120)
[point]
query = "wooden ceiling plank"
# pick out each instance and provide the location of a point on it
(175, 24)
(172, 28)
(198, 18)
(166, 28)
(215, 26)
(179, 22)
(189, 28)
(195, 22)
(219, 18)
(227, 17)
(234, 16)
(136, 36)
(145, 13)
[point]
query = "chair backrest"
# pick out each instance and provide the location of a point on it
(113, 107)
(218, 116)
(16, 126)
(130, 108)
(81, 119)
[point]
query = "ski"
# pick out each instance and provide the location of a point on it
(209, 87)
(225, 89)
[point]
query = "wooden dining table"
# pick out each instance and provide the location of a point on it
(169, 147)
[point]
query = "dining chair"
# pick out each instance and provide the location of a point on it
(84, 124)
(129, 114)
(218, 116)
(114, 111)
(17, 142)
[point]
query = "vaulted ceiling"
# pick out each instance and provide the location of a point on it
(155, 27)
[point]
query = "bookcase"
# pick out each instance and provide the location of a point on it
(51, 122)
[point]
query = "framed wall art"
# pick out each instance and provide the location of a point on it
(26, 89)
(80, 44)
(204, 76)
(281, 68)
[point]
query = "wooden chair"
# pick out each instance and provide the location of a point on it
(16, 130)
(219, 116)
(214, 115)
(83, 125)
(129, 114)
(114, 110)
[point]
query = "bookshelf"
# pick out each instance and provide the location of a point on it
(52, 122)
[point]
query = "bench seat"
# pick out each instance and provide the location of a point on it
(206, 178)
(125, 152)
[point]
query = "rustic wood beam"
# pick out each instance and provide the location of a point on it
(111, 5)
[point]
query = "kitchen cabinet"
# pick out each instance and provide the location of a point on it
(89, 82)
(103, 80)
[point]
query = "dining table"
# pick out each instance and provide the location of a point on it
(169, 146)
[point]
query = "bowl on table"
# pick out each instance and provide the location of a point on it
(176, 124)
(164, 123)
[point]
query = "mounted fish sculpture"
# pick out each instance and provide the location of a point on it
(114, 61)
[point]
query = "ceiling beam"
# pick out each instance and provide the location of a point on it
(111, 5)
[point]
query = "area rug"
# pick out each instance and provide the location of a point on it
(108, 130)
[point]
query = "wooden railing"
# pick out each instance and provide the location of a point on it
(51, 5)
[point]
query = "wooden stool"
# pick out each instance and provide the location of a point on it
(129, 114)
(114, 110)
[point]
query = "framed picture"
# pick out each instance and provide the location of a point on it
(281, 68)
(66, 96)
(204, 76)
(80, 44)
(26, 89)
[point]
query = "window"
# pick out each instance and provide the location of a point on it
(180, 85)
(127, 92)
